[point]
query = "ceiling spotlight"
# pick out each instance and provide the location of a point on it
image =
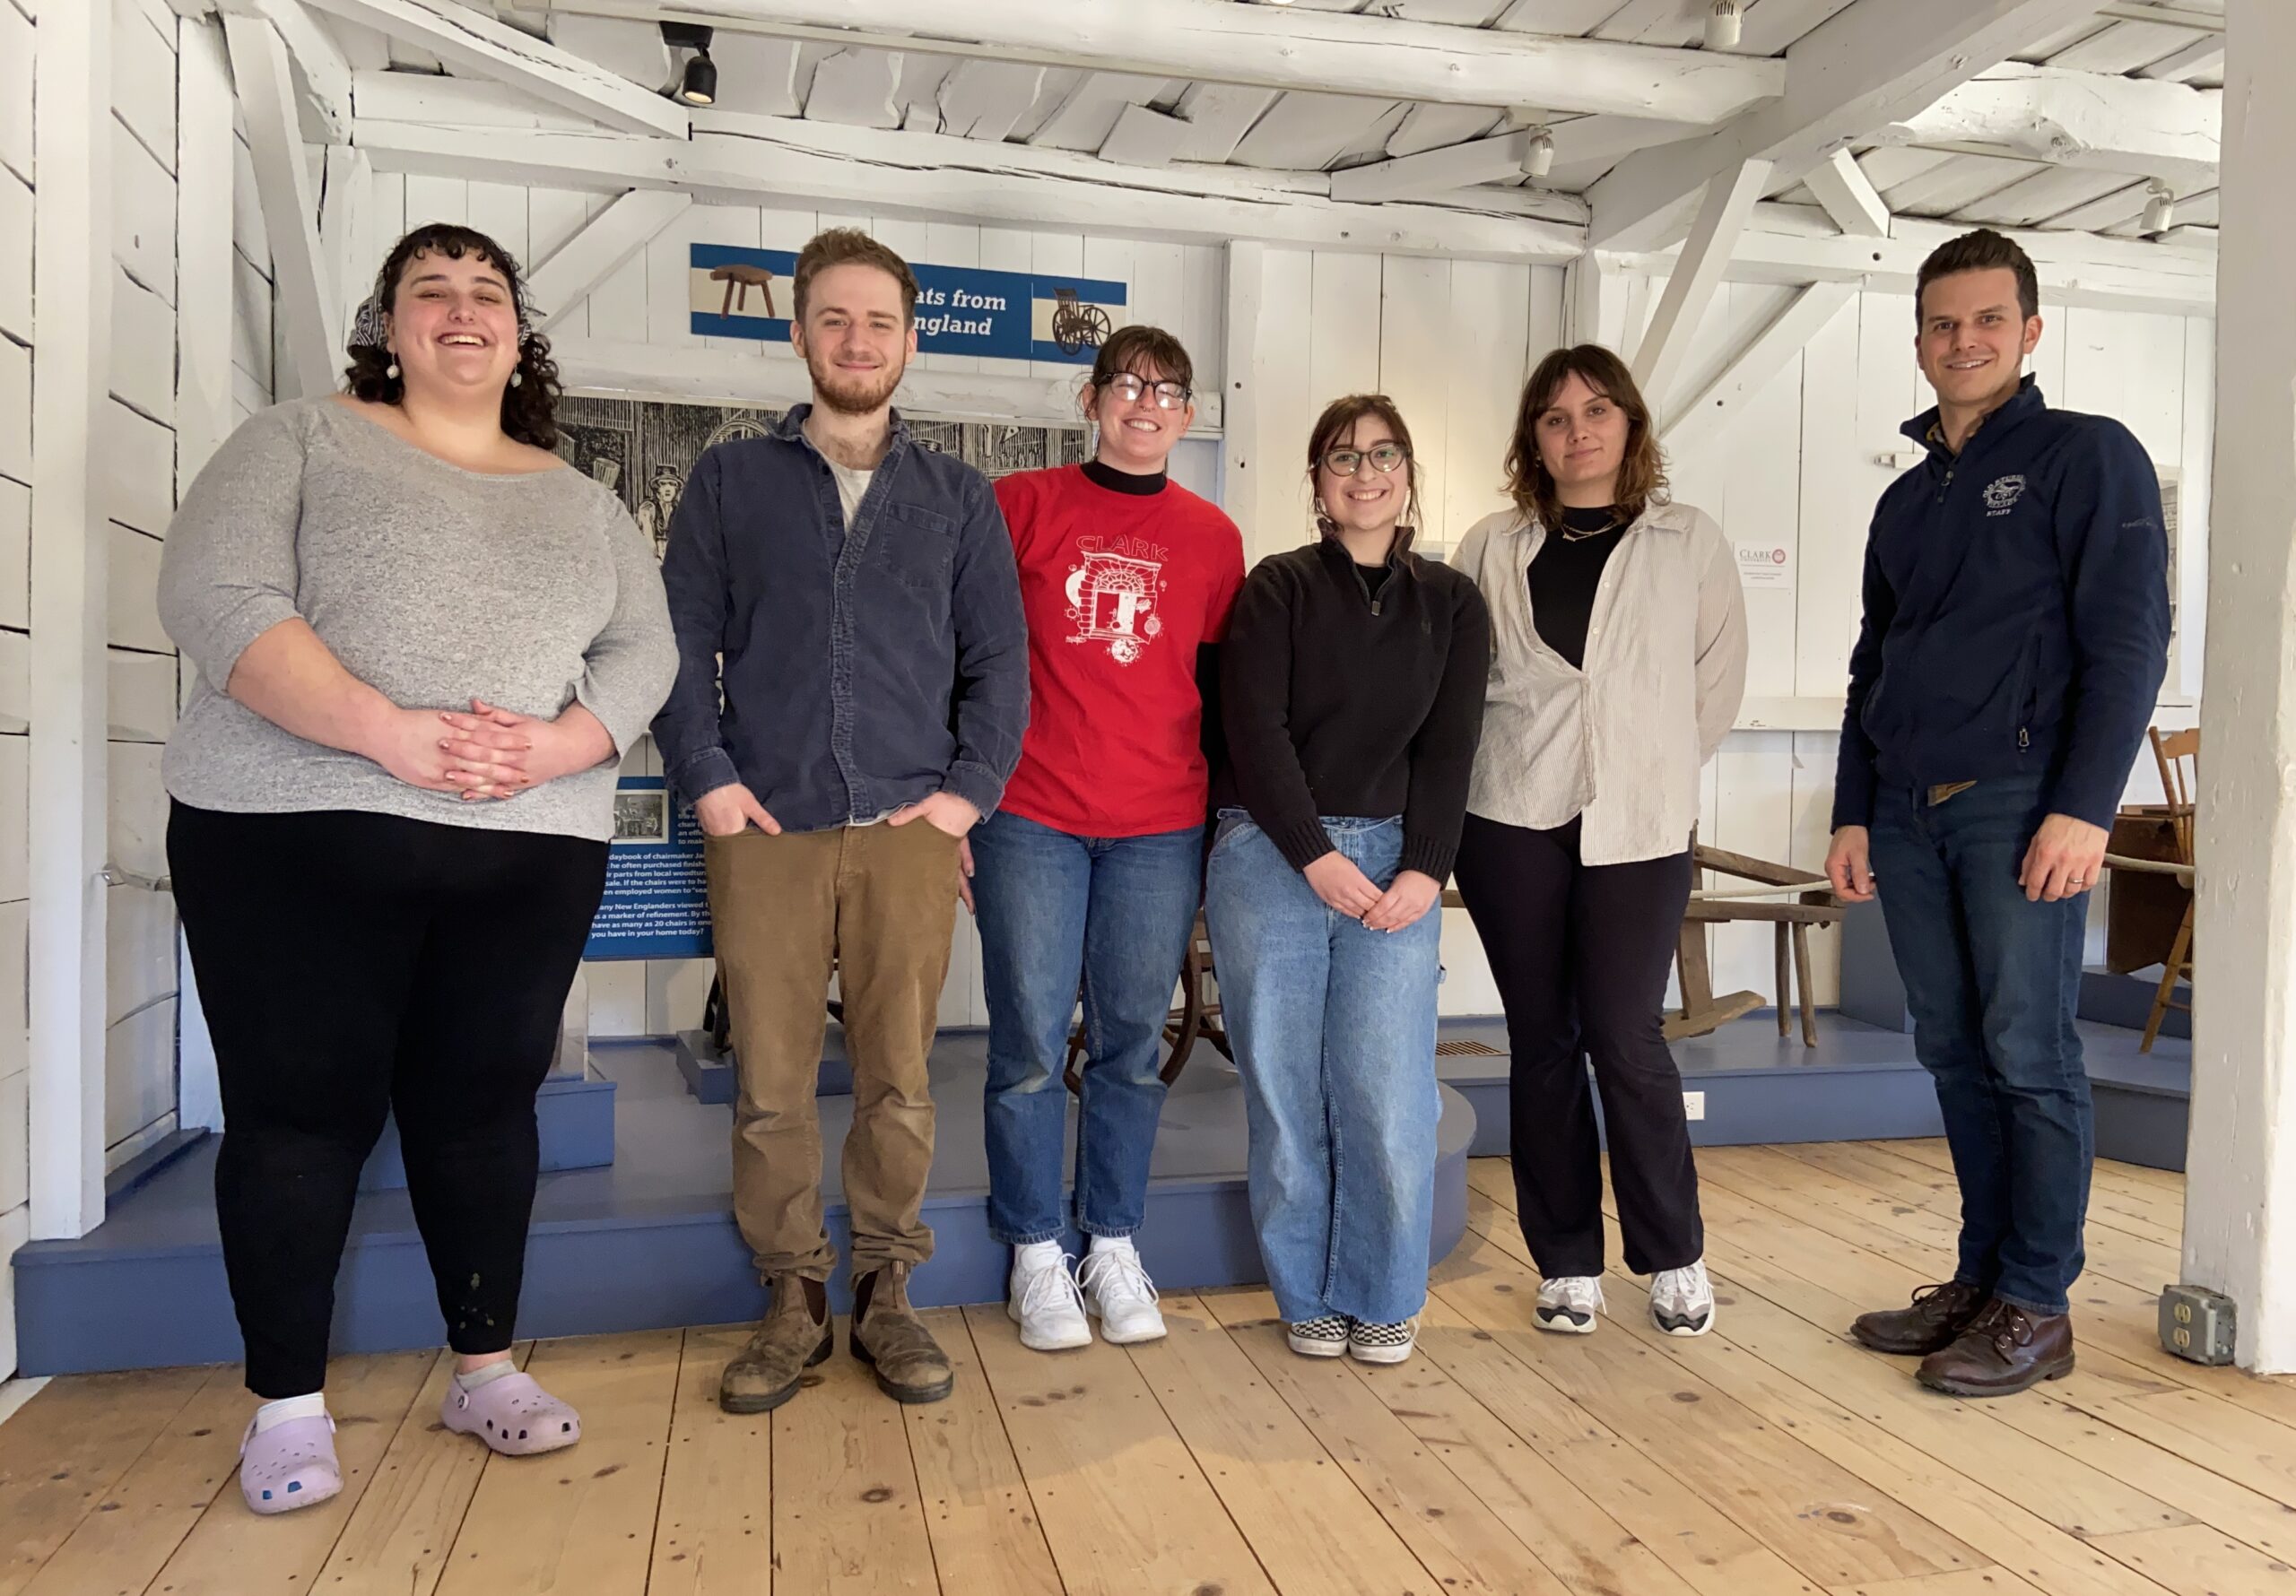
(697, 83)
(2159, 207)
(1722, 24)
(1538, 155)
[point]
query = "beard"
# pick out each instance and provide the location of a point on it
(849, 395)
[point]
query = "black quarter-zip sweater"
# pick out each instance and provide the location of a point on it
(1337, 703)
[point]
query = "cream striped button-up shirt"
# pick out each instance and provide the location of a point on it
(1621, 741)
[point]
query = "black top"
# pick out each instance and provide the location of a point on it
(1564, 575)
(1337, 705)
(1123, 481)
(1374, 577)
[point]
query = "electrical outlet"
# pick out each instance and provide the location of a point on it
(1694, 1105)
(2197, 1323)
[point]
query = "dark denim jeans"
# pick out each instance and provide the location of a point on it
(1991, 980)
(1334, 1026)
(1113, 913)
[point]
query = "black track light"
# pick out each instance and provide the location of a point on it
(697, 83)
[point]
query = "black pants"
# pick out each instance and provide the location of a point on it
(354, 964)
(1580, 953)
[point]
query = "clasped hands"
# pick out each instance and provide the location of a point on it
(1342, 886)
(488, 754)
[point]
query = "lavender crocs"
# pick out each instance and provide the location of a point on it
(511, 1414)
(290, 1465)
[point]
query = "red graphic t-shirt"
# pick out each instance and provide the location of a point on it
(1121, 589)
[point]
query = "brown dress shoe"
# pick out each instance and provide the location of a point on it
(889, 1337)
(1938, 1315)
(793, 1337)
(2004, 1351)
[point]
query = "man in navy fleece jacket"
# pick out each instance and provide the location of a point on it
(2015, 632)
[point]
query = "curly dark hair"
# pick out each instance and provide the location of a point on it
(529, 408)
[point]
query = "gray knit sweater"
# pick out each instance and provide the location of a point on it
(432, 585)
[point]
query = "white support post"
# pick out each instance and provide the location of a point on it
(1698, 421)
(320, 66)
(2239, 1234)
(1849, 196)
(1590, 287)
(595, 252)
(1722, 215)
(205, 150)
(71, 263)
(349, 253)
(1240, 463)
(307, 324)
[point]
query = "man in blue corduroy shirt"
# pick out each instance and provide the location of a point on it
(2015, 632)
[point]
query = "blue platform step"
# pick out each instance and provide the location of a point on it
(573, 1113)
(2126, 1001)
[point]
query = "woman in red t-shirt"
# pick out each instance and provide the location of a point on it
(1091, 872)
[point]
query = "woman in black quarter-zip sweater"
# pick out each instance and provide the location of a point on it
(1352, 689)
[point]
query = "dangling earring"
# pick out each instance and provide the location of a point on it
(391, 370)
(516, 378)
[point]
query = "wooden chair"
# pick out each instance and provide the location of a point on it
(2179, 757)
(1197, 1018)
(1790, 919)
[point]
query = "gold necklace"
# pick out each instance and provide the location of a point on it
(1572, 535)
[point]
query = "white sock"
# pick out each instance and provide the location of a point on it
(487, 1373)
(1036, 1255)
(1113, 1244)
(313, 1406)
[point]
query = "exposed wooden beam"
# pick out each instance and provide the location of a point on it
(982, 99)
(594, 254)
(2076, 118)
(322, 74)
(1848, 197)
(467, 42)
(1722, 215)
(737, 160)
(856, 87)
(1268, 47)
(1145, 137)
(1868, 65)
(308, 324)
(455, 102)
(349, 251)
(1704, 418)
(2202, 55)
(1434, 171)
(726, 376)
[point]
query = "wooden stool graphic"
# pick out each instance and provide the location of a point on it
(740, 279)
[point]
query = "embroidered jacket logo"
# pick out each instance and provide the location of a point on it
(2002, 494)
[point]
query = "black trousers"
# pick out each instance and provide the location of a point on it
(355, 964)
(1580, 953)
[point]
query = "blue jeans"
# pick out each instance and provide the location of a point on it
(1333, 1026)
(1991, 980)
(1113, 913)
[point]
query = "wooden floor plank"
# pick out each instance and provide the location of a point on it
(1124, 1506)
(846, 1513)
(1966, 1581)
(2197, 1561)
(1460, 1542)
(67, 1448)
(2140, 1209)
(1305, 1521)
(713, 1533)
(578, 1522)
(154, 1506)
(983, 1527)
(2220, 1435)
(368, 1396)
(1589, 1550)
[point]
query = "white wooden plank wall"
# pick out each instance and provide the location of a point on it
(17, 43)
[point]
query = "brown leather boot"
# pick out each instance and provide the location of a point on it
(889, 1337)
(793, 1337)
(1938, 1315)
(2004, 1350)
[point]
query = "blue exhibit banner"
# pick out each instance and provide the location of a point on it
(960, 310)
(656, 904)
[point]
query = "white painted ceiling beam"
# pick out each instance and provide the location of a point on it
(1848, 197)
(1874, 62)
(1764, 356)
(1271, 47)
(309, 330)
(590, 256)
(1145, 137)
(321, 73)
(736, 159)
(983, 99)
(2076, 118)
(1697, 271)
(455, 102)
(1459, 166)
(2203, 57)
(467, 42)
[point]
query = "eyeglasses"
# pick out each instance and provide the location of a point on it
(1385, 458)
(1169, 395)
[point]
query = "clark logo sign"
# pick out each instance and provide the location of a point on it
(735, 292)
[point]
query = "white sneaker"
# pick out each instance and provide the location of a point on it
(1042, 1296)
(1567, 1305)
(1324, 1336)
(1118, 1291)
(1382, 1343)
(1682, 1300)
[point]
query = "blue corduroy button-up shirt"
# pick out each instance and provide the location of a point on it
(839, 673)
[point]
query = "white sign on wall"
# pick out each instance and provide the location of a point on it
(1765, 565)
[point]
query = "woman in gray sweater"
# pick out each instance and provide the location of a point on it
(424, 643)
